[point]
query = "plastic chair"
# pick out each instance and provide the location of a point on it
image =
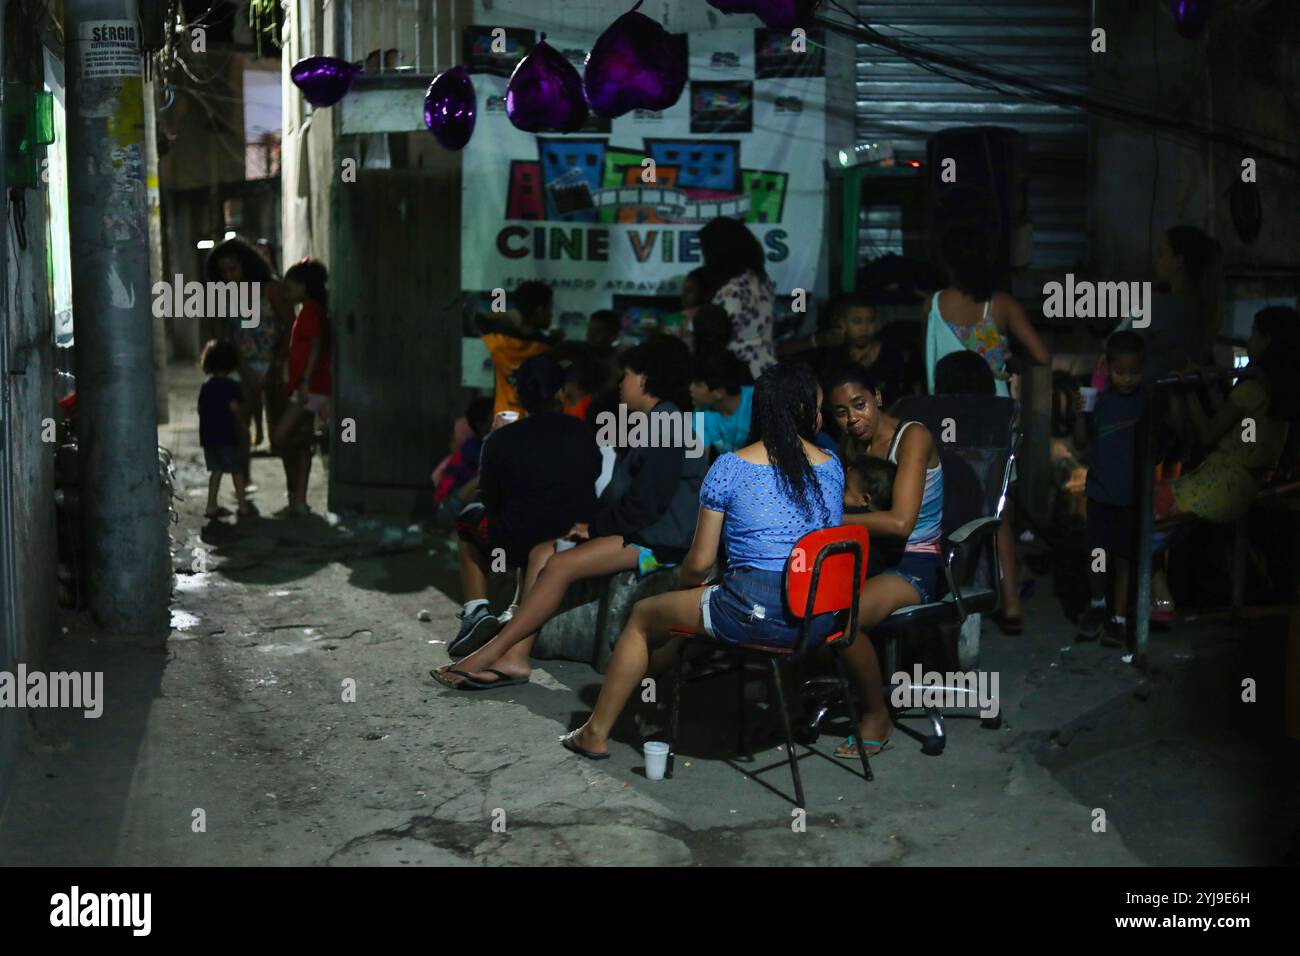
(823, 574)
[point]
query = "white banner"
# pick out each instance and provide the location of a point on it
(610, 215)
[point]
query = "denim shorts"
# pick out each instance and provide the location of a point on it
(921, 570)
(748, 608)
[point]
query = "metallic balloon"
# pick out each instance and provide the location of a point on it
(324, 80)
(451, 108)
(636, 64)
(545, 93)
(777, 14)
(1190, 16)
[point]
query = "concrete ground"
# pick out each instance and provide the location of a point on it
(233, 743)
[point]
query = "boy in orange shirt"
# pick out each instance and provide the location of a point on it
(511, 343)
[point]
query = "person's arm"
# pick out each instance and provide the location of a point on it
(1022, 332)
(301, 386)
(1209, 429)
(279, 299)
(909, 488)
(702, 556)
(646, 498)
(1080, 422)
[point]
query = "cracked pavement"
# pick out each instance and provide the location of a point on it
(290, 713)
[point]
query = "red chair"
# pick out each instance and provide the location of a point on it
(823, 575)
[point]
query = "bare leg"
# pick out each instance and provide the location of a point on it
(473, 571)
(591, 559)
(214, 489)
(1007, 557)
(647, 630)
(240, 497)
(302, 476)
(881, 596)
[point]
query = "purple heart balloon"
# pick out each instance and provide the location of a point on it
(450, 108)
(777, 14)
(324, 80)
(1190, 16)
(636, 64)
(545, 92)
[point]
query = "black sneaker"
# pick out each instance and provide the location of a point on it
(1115, 634)
(476, 629)
(1091, 622)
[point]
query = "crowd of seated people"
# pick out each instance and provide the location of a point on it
(811, 443)
(771, 472)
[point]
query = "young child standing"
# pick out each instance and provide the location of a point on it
(1109, 433)
(219, 424)
(309, 377)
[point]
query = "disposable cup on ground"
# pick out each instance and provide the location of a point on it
(656, 759)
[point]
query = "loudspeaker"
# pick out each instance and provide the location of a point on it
(979, 175)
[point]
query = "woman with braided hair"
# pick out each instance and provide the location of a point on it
(762, 498)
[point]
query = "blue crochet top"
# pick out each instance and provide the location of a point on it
(763, 523)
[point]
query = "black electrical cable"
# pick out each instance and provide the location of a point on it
(984, 77)
(18, 206)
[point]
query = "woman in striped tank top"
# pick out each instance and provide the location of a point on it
(913, 518)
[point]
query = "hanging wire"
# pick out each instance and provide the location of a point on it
(1000, 81)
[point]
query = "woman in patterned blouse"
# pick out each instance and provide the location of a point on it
(736, 266)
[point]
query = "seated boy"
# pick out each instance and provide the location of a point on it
(723, 402)
(537, 477)
(644, 521)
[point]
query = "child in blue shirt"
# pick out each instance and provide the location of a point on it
(724, 401)
(1110, 433)
(219, 427)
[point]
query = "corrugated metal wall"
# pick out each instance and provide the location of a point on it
(903, 103)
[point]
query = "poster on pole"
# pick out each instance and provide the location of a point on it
(610, 215)
(109, 48)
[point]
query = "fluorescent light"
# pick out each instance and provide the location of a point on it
(205, 244)
(228, 236)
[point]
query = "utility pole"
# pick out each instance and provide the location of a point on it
(124, 526)
(153, 193)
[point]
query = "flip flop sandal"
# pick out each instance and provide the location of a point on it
(503, 680)
(853, 754)
(440, 676)
(469, 683)
(567, 743)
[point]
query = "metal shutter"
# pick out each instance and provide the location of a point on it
(902, 103)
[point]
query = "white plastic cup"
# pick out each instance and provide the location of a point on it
(509, 417)
(1089, 398)
(656, 759)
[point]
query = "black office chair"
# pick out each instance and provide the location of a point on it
(978, 460)
(977, 438)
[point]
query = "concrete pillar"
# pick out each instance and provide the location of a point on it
(128, 562)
